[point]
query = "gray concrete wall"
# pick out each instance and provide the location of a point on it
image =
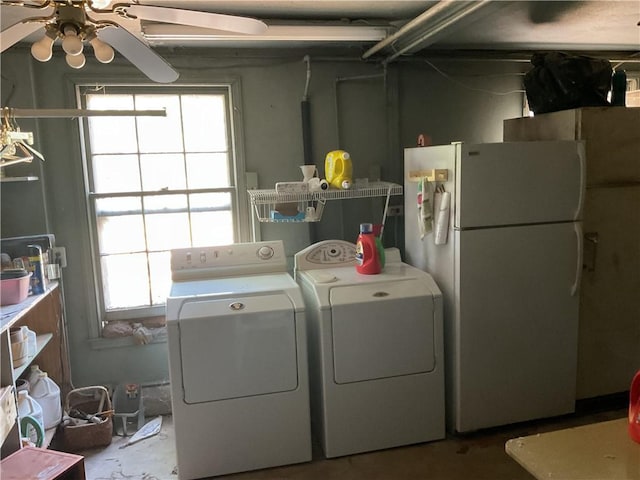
(353, 106)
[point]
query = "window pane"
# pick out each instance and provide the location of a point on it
(159, 134)
(162, 172)
(118, 206)
(167, 222)
(207, 170)
(116, 173)
(212, 228)
(211, 220)
(112, 134)
(205, 128)
(160, 270)
(126, 280)
(165, 204)
(167, 231)
(121, 234)
(210, 201)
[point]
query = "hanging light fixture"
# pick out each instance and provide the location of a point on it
(74, 29)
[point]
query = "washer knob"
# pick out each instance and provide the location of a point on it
(265, 253)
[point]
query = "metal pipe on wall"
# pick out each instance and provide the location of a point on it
(305, 110)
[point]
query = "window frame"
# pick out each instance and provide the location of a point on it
(230, 88)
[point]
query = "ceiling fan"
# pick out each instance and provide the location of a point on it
(103, 24)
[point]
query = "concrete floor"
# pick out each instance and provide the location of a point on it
(476, 456)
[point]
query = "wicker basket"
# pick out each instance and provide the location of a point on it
(92, 401)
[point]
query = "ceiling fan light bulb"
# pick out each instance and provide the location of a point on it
(100, 4)
(71, 43)
(42, 50)
(103, 51)
(76, 61)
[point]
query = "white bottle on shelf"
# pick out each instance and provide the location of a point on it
(32, 343)
(47, 394)
(34, 372)
(27, 406)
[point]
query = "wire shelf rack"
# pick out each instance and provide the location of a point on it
(308, 206)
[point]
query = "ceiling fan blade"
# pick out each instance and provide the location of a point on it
(229, 23)
(17, 32)
(146, 60)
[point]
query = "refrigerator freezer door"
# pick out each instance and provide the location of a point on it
(515, 324)
(519, 183)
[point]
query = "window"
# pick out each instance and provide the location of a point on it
(155, 184)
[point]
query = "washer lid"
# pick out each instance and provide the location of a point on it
(231, 287)
(323, 281)
(237, 347)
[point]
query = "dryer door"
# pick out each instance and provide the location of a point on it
(237, 347)
(382, 330)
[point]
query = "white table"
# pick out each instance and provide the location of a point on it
(600, 451)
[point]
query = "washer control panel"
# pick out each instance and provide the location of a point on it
(225, 260)
(326, 254)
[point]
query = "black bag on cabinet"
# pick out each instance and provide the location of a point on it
(561, 81)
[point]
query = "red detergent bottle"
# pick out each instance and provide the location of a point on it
(367, 258)
(634, 408)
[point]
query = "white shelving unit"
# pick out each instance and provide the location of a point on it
(266, 202)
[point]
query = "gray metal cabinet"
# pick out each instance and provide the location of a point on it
(609, 330)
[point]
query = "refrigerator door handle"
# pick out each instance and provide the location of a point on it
(583, 181)
(577, 228)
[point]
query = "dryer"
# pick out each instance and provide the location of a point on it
(375, 351)
(237, 360)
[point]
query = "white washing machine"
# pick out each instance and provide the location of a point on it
(237, 359)
(375, 351)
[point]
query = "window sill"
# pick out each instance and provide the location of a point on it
(102, 343)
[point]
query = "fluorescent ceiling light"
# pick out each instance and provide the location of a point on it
(184, 34)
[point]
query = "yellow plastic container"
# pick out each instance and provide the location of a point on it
(338, 169)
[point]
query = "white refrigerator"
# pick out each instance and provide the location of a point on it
(509, 268)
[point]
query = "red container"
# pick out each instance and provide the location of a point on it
(14, 286)
(634, 408)
(367, 257)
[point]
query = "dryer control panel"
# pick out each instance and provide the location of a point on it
(226, 260)
(326, 254)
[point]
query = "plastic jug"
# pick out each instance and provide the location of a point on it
(634, 408)
(32, 343)
(27, 406)
(367, 256)
(34, 373)
(47, 394)
(338, 169)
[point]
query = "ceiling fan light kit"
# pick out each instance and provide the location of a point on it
(101, 50)
(42, 50)
(92, 21)
(71, 42)
(74, 28)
